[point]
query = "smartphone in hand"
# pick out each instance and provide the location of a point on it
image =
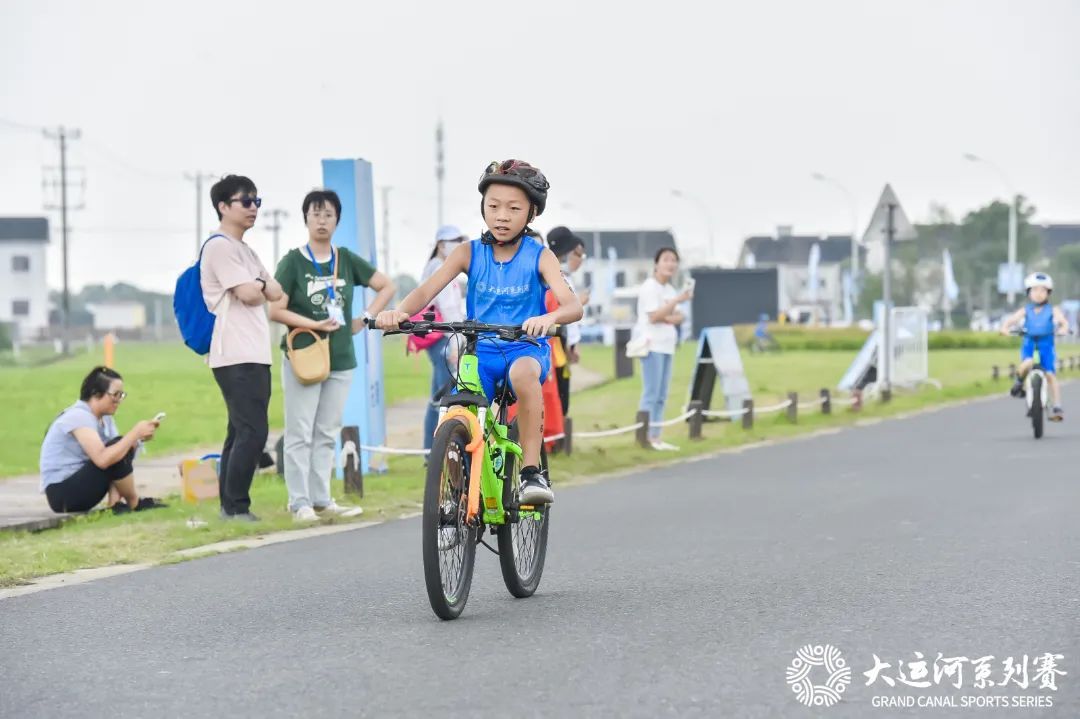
(159, 416)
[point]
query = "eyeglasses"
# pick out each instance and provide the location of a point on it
(119, 396)
(247, 201)
(579, 253)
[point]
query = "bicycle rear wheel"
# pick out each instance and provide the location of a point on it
(449, 544)
(1037, 406)
(523, 544)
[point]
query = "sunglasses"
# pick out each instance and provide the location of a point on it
(518, 168)
(247, 201)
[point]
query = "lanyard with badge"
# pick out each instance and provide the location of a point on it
(333, 310)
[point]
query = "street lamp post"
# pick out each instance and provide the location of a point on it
(704, 213)
(1012, 212)
(854, 225)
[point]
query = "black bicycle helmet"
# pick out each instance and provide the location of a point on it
(519, 174)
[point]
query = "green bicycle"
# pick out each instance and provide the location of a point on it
(472, 482)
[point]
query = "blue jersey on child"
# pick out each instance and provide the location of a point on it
(1039, 335)
(506, 293)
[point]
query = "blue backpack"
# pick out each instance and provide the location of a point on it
(195, 320)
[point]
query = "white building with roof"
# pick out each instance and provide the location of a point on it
(24, 290)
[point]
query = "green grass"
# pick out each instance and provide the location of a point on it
(158, 378)
(100, 540)
(851, 339)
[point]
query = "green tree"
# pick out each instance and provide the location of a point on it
(1066, 272)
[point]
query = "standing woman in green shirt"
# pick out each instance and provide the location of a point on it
(314, 300)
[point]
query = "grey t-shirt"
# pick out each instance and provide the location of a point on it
(61, 453)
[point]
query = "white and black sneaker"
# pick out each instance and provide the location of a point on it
(534, 488)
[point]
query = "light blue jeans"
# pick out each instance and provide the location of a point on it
(313, 415)
(656, 378)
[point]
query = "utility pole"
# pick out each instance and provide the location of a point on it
(62, 135)
(440, 168)
(386, 230)
(276, 216)
(885, 380)
(197, 177)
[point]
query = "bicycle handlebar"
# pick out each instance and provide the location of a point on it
(469, 328)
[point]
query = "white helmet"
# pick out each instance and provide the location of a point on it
(1039, 279)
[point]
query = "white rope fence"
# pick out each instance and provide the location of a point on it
(675, 420)
(773, 407)
(391, 450)
(694, 415)
(812, 404)
(609, 432)
(725, 413)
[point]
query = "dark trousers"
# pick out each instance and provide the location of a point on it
(562, 381)
(83, 490)
(246, 389)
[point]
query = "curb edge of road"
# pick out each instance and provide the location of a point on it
(83, 576)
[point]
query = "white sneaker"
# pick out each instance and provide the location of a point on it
(337, 510)
(660, 446)
(305, 514)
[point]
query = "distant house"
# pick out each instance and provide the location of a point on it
(789, 254)
(24, 292)
(124, 315)
(619, 261)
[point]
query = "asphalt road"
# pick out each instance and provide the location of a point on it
(679, 592)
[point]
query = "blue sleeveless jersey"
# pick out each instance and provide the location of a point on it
(505, 293)
(1041, 323)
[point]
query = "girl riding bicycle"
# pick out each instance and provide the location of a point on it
(507, 282)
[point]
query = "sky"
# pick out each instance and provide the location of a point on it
(735, 104)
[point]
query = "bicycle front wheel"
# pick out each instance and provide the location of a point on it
(1037, 406)
(523, 544)
(449, 544)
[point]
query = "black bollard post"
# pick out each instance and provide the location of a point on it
(793, 407)
(350, 448)
(643, 430)
(748, 413)
(826, 401)
(697, 419)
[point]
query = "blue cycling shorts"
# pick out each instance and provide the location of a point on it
(1045, 346)
(496, 356)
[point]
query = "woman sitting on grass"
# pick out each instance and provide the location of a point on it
(84, 458)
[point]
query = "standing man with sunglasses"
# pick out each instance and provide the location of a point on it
(236, 287)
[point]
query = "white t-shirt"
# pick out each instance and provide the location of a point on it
(573, 330)
(662, 336)
(450, 302)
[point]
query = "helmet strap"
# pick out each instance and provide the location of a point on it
(489, 239)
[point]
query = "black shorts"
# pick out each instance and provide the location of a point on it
(88, 485)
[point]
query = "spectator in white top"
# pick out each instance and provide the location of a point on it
(658, 316)
(450, 304)
(570, 250)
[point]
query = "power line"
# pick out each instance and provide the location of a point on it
(118, 161)
(62, 135)
(20, 125)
